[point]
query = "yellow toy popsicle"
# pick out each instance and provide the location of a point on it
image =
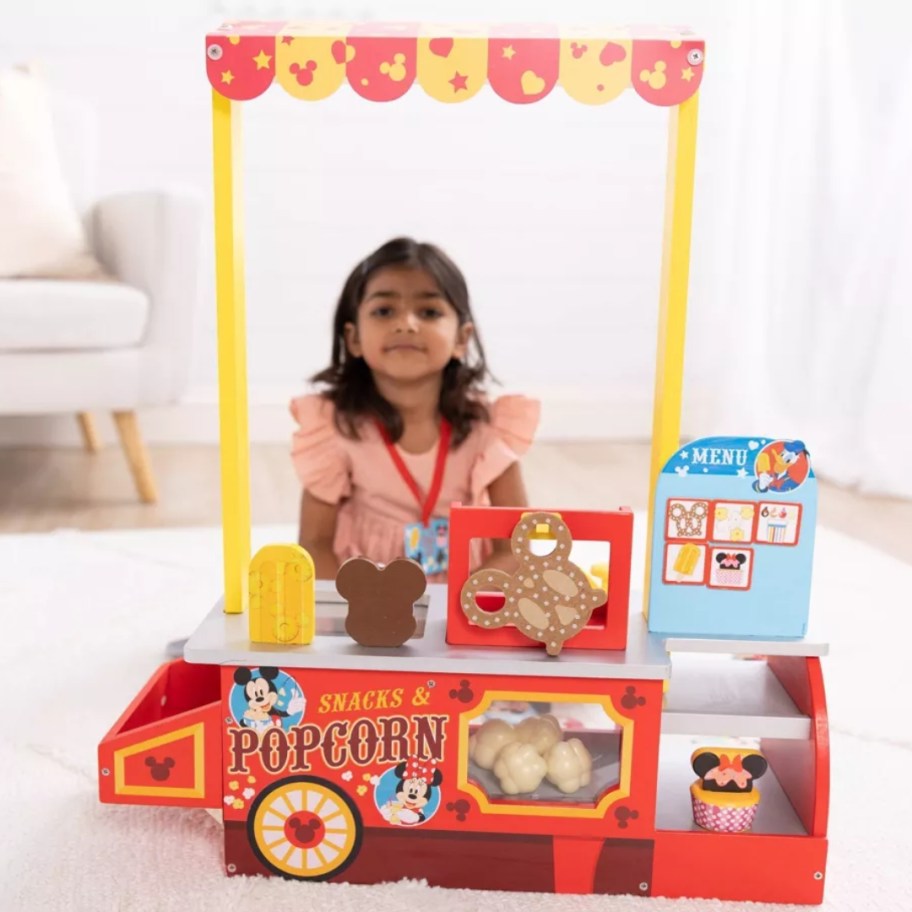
(686, 560)
(282, 595)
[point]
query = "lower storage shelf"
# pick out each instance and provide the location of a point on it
(775, 815)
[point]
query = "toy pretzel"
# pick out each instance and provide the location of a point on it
(548, 598)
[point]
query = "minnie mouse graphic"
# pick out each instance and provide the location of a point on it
(415, 799)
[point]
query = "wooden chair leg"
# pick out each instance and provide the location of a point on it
(90, 435)
(135, 449)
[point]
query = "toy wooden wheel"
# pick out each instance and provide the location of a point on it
(305, 828)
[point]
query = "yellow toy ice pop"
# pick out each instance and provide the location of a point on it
(686, 560)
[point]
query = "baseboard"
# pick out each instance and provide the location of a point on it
(567, 414)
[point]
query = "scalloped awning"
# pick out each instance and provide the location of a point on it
(522, 64)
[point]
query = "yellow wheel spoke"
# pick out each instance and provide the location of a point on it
(296, 798)
(296, 860)
(281, 849)
(321, 799)
(281, 806)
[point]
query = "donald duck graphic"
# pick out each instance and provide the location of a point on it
(781, 466)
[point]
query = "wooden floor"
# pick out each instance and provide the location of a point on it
(44, 489)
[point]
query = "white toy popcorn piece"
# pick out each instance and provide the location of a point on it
(542, 732)
(519, 768)
(487, 742)
(569, 765)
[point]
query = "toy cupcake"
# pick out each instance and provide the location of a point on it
(724, 798)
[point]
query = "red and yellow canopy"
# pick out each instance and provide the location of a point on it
(522, 64)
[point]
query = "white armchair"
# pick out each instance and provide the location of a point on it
(79, 346)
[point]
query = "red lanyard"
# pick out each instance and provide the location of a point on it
(443, 447)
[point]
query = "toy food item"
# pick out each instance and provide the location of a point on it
(549, 598)
(542, 732)
(598, 575)
(731, 565)
(519, 768)
(380, 601)
(724, 798)
(281, 586)
(686, 561)
(486, 743)
(569, 765)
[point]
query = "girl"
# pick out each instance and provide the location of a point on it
(402, 429)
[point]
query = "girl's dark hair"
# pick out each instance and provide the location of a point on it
(349, 382)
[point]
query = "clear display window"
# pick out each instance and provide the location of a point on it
(552, 751)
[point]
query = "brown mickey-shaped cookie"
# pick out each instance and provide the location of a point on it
(548, 599)
(380, 599)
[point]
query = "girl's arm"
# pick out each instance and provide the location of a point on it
(507, 490)
(316, 531)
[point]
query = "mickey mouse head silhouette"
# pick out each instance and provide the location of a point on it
(728, 770)
(160, 769)
(307, 831)
(733, 561)
(380, 600)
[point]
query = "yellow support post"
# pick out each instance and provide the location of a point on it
(679, 188)
(232, 351)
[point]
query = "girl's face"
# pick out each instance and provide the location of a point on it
(405, 328)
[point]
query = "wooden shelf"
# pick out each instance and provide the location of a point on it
(775, 816)
(715, 695)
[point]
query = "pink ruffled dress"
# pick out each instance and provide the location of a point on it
(375, 504)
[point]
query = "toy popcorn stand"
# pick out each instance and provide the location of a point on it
(521, 731)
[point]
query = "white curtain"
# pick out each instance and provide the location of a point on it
(811, 227)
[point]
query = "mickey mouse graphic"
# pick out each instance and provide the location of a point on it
(261, 696)
(416, 781)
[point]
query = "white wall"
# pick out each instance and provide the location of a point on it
(553, 210)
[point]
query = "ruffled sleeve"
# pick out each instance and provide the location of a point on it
(508, 435)
(317, 452)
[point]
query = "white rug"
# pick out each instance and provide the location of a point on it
(85, 617)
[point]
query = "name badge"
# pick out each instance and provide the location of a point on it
(429, 545)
